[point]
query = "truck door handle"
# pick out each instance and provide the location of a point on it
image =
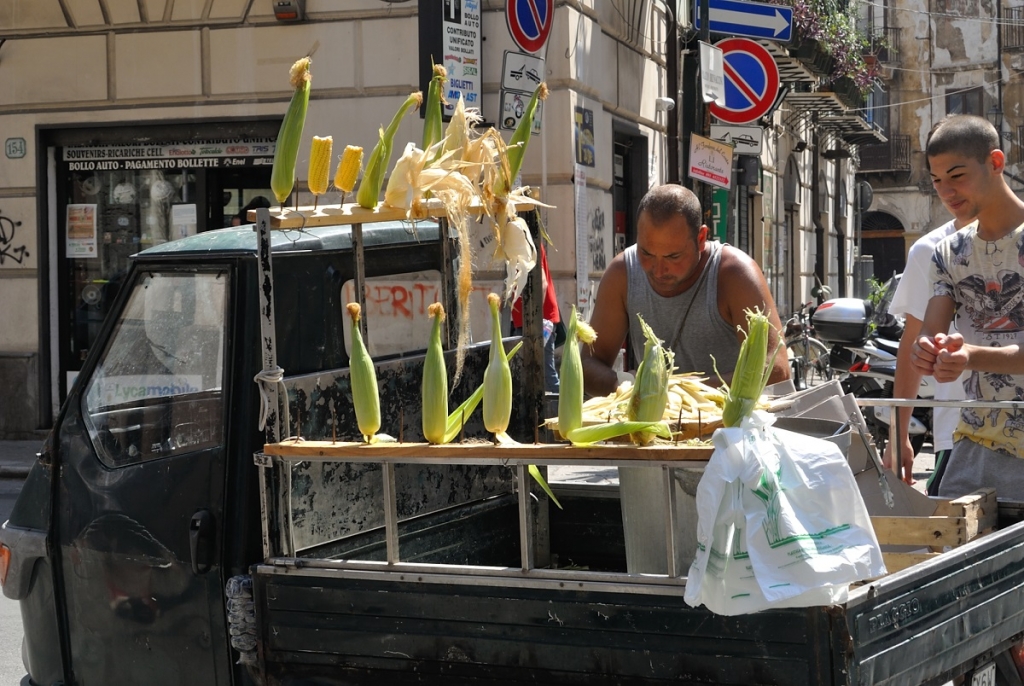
(200, 538)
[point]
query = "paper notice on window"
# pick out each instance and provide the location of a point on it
(183, 221)
(81, 231)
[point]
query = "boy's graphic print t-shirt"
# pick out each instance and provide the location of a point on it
(986, 279)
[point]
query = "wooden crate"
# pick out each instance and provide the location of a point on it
(954, 523)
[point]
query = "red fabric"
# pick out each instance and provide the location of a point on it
(550, 299)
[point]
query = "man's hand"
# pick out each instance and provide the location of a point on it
(907, 450)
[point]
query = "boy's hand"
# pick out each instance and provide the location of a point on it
(952, 358)
(924, 353)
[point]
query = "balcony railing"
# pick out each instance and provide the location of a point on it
(886, 157)
(883, 43)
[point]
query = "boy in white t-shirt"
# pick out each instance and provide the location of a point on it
(911, 300)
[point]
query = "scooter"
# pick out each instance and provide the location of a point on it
(864, 342)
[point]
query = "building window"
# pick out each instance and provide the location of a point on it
(1013, 28)
(877, 112)
(965, 101)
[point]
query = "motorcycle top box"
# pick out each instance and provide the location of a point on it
(843, 320)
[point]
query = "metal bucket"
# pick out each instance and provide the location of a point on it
(827, 429)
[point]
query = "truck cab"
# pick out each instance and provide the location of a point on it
(145, 500)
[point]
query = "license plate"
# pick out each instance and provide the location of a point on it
(985, 676)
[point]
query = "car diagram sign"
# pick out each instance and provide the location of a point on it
(521, 72)
(529, 22)
(751, 81)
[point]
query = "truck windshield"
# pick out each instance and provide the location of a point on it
(157, 389)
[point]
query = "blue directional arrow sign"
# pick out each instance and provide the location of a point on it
(749, 19)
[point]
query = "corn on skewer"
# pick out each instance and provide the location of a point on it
(363, 379)
(349, 165)
(282, 175)
(368, 194)
(432, 120)
(319, 166)
(458, 418)
(434, 392)
(753, 367)
(650, 388)
(570, 383)
(497, 378)
(517, 144)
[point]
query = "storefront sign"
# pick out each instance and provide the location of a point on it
(582, 241)
(241, 152)
(585, 137)
(460, 29)
(719, 209)
(712, 75)
(710, 161)
(81, 231)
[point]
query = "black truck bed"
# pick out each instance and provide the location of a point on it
(330, 622)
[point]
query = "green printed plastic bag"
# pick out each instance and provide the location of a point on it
(781, 523)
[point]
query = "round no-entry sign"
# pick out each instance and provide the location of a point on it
(751, 81)
(529, 22)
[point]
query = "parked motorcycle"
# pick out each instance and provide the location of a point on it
(864, 341)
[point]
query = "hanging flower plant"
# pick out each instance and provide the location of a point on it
(833, 23)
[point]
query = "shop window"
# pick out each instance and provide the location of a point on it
(157, 391)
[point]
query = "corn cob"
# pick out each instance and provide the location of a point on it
(435, 382)
(650, 387)
(319, 166)
(363, 378)
(570, 384)
(461, 414)
(497, 378)
(432, 114)
(348, 170)
(282, 175)
(588, 435)
(517, 144)
(753, 367)
(368, 194)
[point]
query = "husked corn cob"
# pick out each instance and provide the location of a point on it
(363, 379)
(650, 387)
(348, 170)
(497, 377)
(434, 392)
(282, 175)
(368, 194)
(753, 367)
(319, 166)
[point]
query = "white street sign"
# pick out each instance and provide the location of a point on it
(746, 140)
(521, 72)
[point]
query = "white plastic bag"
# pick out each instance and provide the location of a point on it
(781, 523)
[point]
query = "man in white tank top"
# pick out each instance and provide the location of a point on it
(692, 292)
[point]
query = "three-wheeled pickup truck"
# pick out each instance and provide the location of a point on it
(164, 537)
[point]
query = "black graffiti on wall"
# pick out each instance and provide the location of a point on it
(8, 250)
(598, 260)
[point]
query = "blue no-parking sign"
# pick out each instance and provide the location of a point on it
(529, 22)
